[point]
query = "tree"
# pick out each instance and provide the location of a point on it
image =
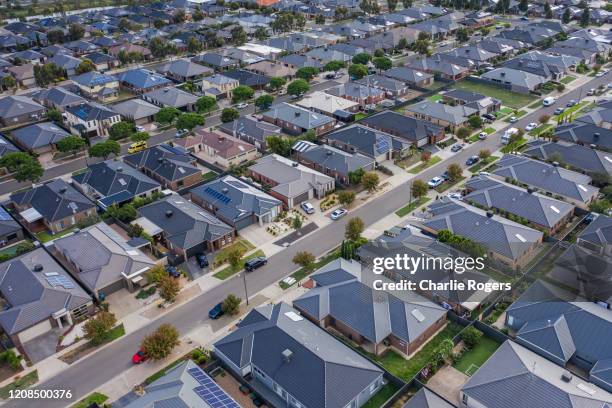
(358, 71)
(341, 13)
(261, 33)
(484, 154)
(160, 47)
(71, 144)
(167, 115)
(296, 223)
(179, 16)
(425, 156)
(407, 3)
(370, 181)
(304, 259)
(189, 121)
(320, 19)
(471, 336)
(523, 5)
(242, 93)
(197, 15)
(475, 121)
(463, 35)
(354, 228)
(369, 6)
(231, 305)
(402, 44)
(279, 145)
(346, 197)
(544, 119)
(23, 166)
(463, 132)
(140, 137)
(206, 104)
(239, 36)
(194, 45)
(382, 63)
(168, 288)
(419, 188)
(97, 328)
(362, 58)
(392, 4)
(454, 172)
(298, 87)
(55, 36)
(159, 344)
(356, 176)
(229, 114)
(585, 18)
(121, 130)
(105, 149)
(76, 32)
(124, 24)
(277, 83)
(54, 115)
(567, 16)
(234, 256)
(156, 273)
(264, 101)
(547, 11)
(85, 66)
(8, 82)
(422, 47)
(307, 73)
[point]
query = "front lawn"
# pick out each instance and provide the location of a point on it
(535, 105)
(435, 98)
(448, 184)
(517, 115)
(96, 398)
(423, 165)
(221, 256)
(229, 270)
(19, 384)
(477, 356)
(540, 129)
(511, 147)
(360, 116)
(303, 272)
(503, 112)
(209, 175)
(381, 396)
(482, 164)
(475, 137)
(405, 210)
(566, 80)
(512, 99)
(46, 236)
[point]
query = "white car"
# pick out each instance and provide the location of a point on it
(435, 182)
(307, 207)
(601, 73)
(482, 135)
(513, 119)
(610, 85)
(242, 105)
(456, 196)
(531, 126)
(339, 213)
(140, 129)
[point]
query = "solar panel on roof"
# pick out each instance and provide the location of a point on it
(60, 280)
(4, 215)
(210, 392)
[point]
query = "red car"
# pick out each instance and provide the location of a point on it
(139, 357)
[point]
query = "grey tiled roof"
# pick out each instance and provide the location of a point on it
(425, 398)
(184, 68)
(368, 141)
(515, 77)
(57, 96)
(585, 133)
(407, 74)
(39, 135)
(455, 115)
(246, 127)
(172, 97)
(136, 109)
(405, 127)
(300, 117)
(577, 156)
(6, 146)
(170, 163)
(599, 231)
(16, 105)
(337, 160)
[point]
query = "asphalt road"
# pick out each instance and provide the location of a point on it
(86, 375)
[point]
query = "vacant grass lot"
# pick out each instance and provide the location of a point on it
(512, 99)
(423, 166)
(476, 356)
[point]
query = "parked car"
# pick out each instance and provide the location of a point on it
(216, 312)
(181, 132)
(255, 263)
(137, 146)
(525, 18)
(548, 101)
(242, 105)
(482, 135)
(571, 103)
(489, 116)
(513, 119)
(591, 92)
(456, 148)
(339, 213)
(472, 160)
(559, 111)
(140, 128)
(435, 182)
(307, 207)
(445, 176)
(202, 260)
(172, 271)
(531, 126)
(139, 357)
(589, 218)
(600, 74)
(456, 196)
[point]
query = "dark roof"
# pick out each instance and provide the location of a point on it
(578, 156)
(169, 163)
(17, 105)
(91, 111)
(425, 398)
(248, 78)
(39, 135)
(6, 146)
(407, 128)
(368, 141)
(585, 133)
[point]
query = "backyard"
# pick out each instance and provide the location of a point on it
(381, 396)
(512, 99)
(472, 359)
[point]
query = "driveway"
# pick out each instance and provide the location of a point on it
(42, 346)
(194, 270)
(447, 382)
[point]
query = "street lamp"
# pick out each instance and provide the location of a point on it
(246, 294)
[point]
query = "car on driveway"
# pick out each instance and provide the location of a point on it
(255, 263)
(456, 196)
(600, 73)
(307, 207)
(201, 260)
(456, 148)
(339, 213)
(172, 271)
(489, 116)
(181, 132)
(531, 126)
(472, 160)
(435, 182)
(559, 111)
(216, 312)
(139, 357)
(482, 135)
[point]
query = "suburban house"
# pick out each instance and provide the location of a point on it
(251, 130)
(10, 230)
(140, 80)
(297, 120)
(579, 157)
(272, 69)
(103, 87)
(183, 227)
(279, 349)
(54, 206)
(483, 104)
(552, 179)
(448, 116)
(6, 147)
(38, 297)
(438, 68)
(596, 236)
(373, 143)
(171, 97)
(101, 260)
(172, 167)
(333, 106)
(128, 48)
(236, 203)
(91, 119)
(39, 138)
(409, 76)
(218, 149)
(113, 182)
(506, 241)
(138, 111)
(17, 110)
(216, 61)
(542, 212)
(373, 319)
(218, 85)
(182, 70)
(248, 78)
(425, 398)
(362, 94)
(57, 98)
(23, 75)
(289, 181)
(417, 132)
(514, 373)
(585, 134)
(393, 88)
(334, 162)
(514, 80)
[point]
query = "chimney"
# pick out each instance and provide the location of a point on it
(297, 114)
(287, 355)
(596, 135)
(62, 190)
(503, 74)
(37, 268)
(119, 169)
(168, 213)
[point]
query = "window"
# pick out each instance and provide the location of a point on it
(373, 388)
(464, 398)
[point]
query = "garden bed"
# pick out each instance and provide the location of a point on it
(88, 347)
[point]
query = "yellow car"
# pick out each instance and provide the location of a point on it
(138, 146)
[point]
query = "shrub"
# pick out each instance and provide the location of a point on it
(471, 336)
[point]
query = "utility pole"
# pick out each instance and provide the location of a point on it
(246, 294)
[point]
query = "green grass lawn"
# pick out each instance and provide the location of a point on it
(360, 116)
(409, 207)
(381, 396)
(475, 137)
(517, 115)
(540, 129)
(19, 384)
(221, 256)
(45, 236)
(477, 356)
(513, 146)
(423, 166)
(303, 272)
(209, 175)
(570, 111)
(482, 164)
(435, 98)
(535, 105)
(566, 80)
(512, 99)
(90, 399)
(448, 184)
(229, 270)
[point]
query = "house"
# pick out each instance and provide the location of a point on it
(410, 129)
(112, 182)
(262, 50)
(579, 157)
(425, 398)
(140, 80)
(483, 104)
(373, 143)
(216, 61)
(514, 373)
(506, 241)
(6, 146)
(537, 67)
(185, 385)
(362, 94)
(392, 87)
(571, 333)
(296, 120)
(91, 119)
(219, 85)
(182, 70)
(251, 130)
(409, 76)
(97, 86)
(10, 230)
(39, 297)
(469, 55)
(478, 19)
(554, 180)
(23, 75)
(221, 150)
(39, 138)
(272, 69)
(172, 97)
(138, 111)
(290, 182)
(101, 260)
(298, 61)
(172, 167)
(596, 236)
(66, 62)
(447, 116)
(128, 48)
(436, 66)
(247, 78)
(514, 79)
(329, 105)
(374, 319)
(585, 134)
(54, 206)
(542, 212)
(183, 227)
(57, 98)
(279, 349)
(103, 62)
(601, 115)
(236, 203)
(334, 162)
(17, 110)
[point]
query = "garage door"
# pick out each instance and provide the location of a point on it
(34, 331)
(299, 199)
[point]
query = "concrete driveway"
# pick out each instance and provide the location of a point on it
(42, 346)
(194, 270)
(447, 382)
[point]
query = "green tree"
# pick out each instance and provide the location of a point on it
(346, 197)
(194, 45)
(422, 47)
(358, 71)
(370, 181)
(167, 115)
(392, 4)
(567, 16)
(160, 47)
(156, 273)
(419, 188)
(544, 119)
(71, 144)
(168, 288)
(179, 16)
(125, 213)
(547, 11)
(354, 228)
(585, 18)
(55, 36)
(54, 115)
(463, 35)
(471, 337)
(320, 19)
(334, 65)
(23, 166)
(279, 145)
(239, 36)
(261, 33)
(231, 305)
(229, 115)
(407, 3)
(296, 223)
(97, 328)
(189, 121)
(356, 176)
(197, 15)
(475, 121)
(304, 259)
(277, 83)
(159, 344)
(121, 130)
(298, 87)
(8, 82)
(105, 149)
(369, 6)
(264, 101)
(463, 132)
(206, 104)
(484, 154)
(140, 137)
(76, 32)
(362, 58)
(242, 93)
(85, 66)
(382, 63)
(454, 172)
(307, 73)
